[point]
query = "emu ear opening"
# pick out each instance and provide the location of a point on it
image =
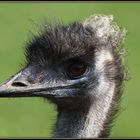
(105, 29)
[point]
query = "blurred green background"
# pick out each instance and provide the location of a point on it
(34, 117)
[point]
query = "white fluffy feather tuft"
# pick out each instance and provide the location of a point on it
(105, 28)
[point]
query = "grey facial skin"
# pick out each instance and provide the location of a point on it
(77, 67)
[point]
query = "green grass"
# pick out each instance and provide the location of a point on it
(34, 117)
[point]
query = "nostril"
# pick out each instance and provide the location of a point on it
(19, 84)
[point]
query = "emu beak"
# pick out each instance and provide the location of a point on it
(18, 86)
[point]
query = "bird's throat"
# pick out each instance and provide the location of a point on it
(85, 122)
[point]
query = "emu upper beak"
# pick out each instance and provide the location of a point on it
(18, 86)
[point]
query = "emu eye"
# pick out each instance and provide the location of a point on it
(76, 70)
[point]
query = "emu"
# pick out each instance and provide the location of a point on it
(80, 68)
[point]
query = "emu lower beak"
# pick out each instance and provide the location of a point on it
(17, 86)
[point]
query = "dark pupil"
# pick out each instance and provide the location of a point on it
(76, 70)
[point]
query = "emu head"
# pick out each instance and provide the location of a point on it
(68, 62)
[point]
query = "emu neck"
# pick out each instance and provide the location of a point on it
(91, 119)
(84, 122)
